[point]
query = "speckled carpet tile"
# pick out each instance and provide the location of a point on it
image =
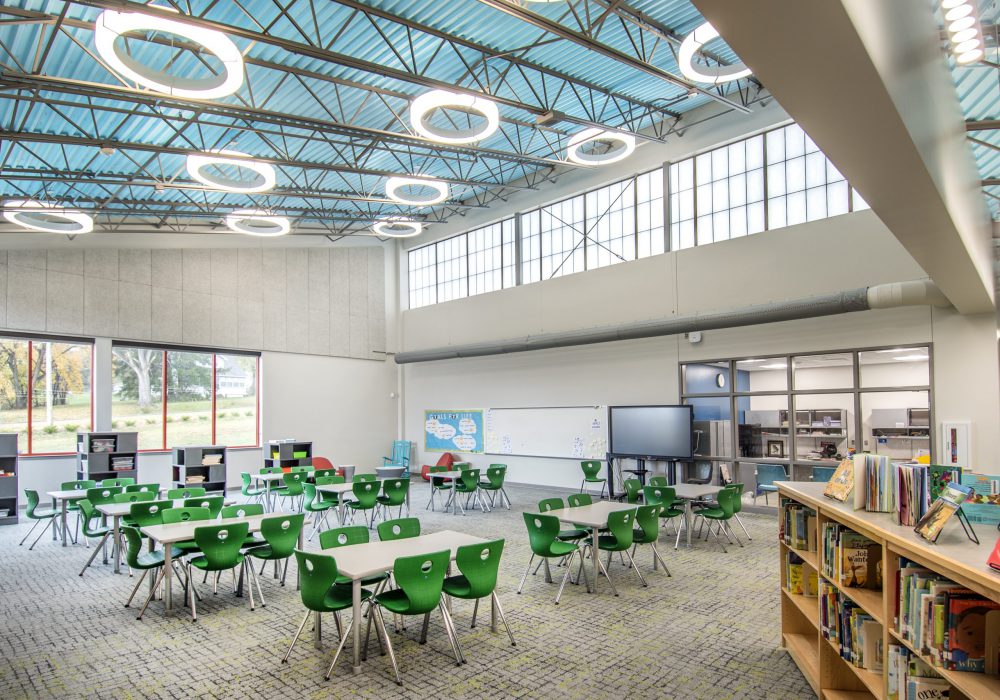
(710, 631)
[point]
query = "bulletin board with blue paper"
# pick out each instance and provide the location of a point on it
(454, 431)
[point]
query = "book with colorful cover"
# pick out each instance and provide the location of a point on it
(983, 505)
(841, 484)
(967, 632)
(947, 504)
(940, 476)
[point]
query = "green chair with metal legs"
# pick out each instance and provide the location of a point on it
(633, 490)
(39, 516)
(317, 575)
(738, 506)
(242, 510)
(180, 494)
(247, 489)
(122, 481)
(478, 565)
(665, 497)
(293, 488)
(543, 537)
(320, 473)
(420, 581)
(721, 515)
(304, 468)
(618, 539)
(467, 485)
(332, 498)
(496, 474)
(438, 484)
(89, 513)
(281, 534)
(100, 495)
(657, 480)
(213, 503)
(133, 497)
(72, 505)
(366, 499)
(578, 533)
(399, 529)
(591, 468)
(648, 531)
(393, 495)
(143, 488)
(145, 562)
(358, 478)
(575, 500)
(183, 515)
(220, 547)
(148, 513)
(317, 506)
(344, 537)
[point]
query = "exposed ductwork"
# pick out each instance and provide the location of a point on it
(882, 296)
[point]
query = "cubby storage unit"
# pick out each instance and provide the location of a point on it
(199, 466)
(107, 456)
(953, 557)
(8, 478)
(288, 453)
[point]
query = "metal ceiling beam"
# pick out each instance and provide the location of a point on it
(552, 27)
(982, 125)
(991, 182)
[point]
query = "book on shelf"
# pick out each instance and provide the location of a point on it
(909, 678)
(211, 460)
(102, 445)
(880, 492)
(850, 558)
(852, 629)
(983, 504)
(799, 526)
(912, 492)
(946, 505)
(194, 479)
(801, 579)
(941, 476)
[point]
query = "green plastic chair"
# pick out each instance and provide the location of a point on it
(578, 533)
(467, 484)
(366, 495)
(633, 489)
(305, 469)
(393, 495)
(543, 537)
(241, 510)
(478, 565)
(591, 468)
(186, 492)
(666, 498)
(317, 574)
(271, 470)
(313, 502)
(88, 514)
(153, 488)
(364, 477)
(39, 516)
(332, 498)
(101, 495)
(247, 489)
(399, 529)
(281, 534)
(135, 497)
(618, 539)
(420, 581)
(213, 503)
(738, 505)
(345, 537)
(293, 482)
(121, 481)
(647, 532)
(319, 473)
(148, 513)
(138, 560)
(72, 506)
(438, 484)
(721, 515)
(220, 551)
(496, 474)
(183, 515)
(658, 480)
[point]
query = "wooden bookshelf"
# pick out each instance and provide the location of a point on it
(953, 557)
(8, 480)
(189, 467)
(98, 453)
(288, 453)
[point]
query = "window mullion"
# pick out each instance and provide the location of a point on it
(163, 396)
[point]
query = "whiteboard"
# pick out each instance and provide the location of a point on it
(569, 432)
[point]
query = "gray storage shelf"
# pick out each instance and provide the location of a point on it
(288, 453)
(98, 453)
(8, 484)
(190, 462)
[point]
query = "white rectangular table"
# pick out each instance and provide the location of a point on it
(64, 497)
(594, 516)
(358, 561)
(269, 480)
(453, 477)
(173, 533)
(690, 493)
(339, 490)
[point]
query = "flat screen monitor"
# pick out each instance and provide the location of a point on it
(651, 431)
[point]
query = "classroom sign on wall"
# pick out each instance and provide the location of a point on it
(453, 431)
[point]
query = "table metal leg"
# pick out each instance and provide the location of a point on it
(298, 574)
(168, 577)
(152, 578)
(594, 553)
(688, 520)
(356, 625)
(317, 630)
(116, 546)
(493, 614)
(65, 525)
(341, 509)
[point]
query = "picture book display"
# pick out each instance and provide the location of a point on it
(983, 505)
(841, 484)
(930, 525)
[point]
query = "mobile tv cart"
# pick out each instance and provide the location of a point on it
(640, 470)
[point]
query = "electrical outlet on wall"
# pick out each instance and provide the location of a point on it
(693, 337)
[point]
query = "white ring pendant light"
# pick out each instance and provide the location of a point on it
(706, 74)
(258, 222)
(394, 184)
(111, 25)
(424, 105)
(575, 153)
(410, 228)
(197, 162)
(46, 217)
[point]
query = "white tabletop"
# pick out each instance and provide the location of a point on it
(594, 515)
(334, 488)
(182, 532)
(71, 494)
(446, 475)
(358, 561)
(269, 477)
(122, 509)
(693, 491)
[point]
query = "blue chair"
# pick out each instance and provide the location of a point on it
(400, 457)
(766, 476)
(823, 474)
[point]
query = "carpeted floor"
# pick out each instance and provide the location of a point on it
(710, 631)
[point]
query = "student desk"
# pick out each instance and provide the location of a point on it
(690, 493)
(594, 516)
(64, 497)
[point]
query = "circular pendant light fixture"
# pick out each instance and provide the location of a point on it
(394, 184)
(258, 222)
(46, 217)
(409, 228)
(575, 153)
(424, 105)
(111, 25)
(706, 74)
(197, 162)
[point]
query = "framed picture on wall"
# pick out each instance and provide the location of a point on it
(775, 448)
